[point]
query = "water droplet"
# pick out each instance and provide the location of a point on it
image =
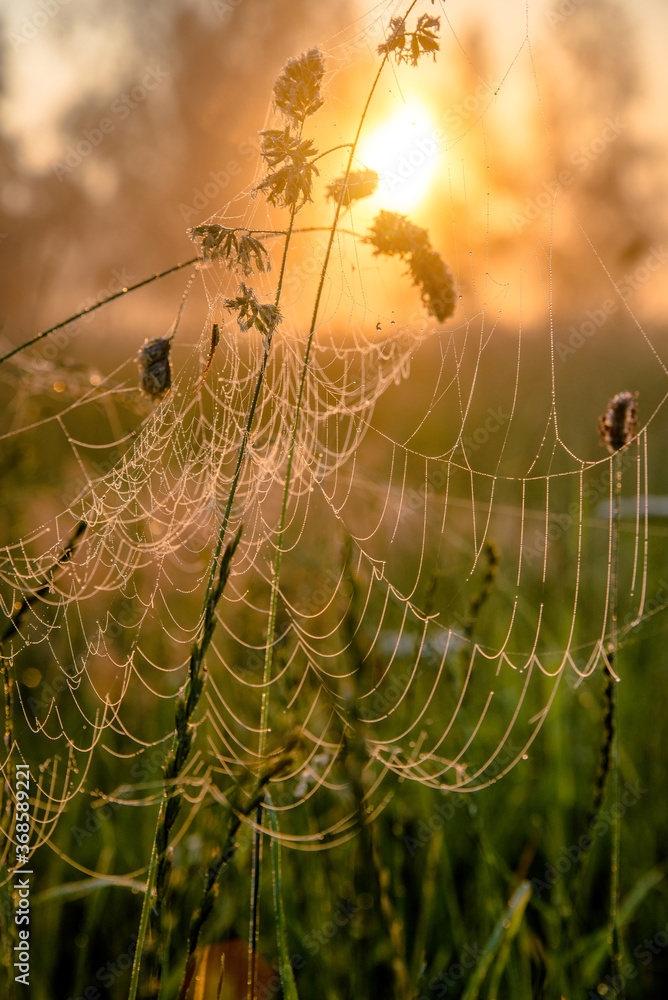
(378, 327)
(525, 756)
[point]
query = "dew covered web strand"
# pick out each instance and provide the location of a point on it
(424, 448)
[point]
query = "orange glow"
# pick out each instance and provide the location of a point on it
(405, 151)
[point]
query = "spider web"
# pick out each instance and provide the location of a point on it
(448, 550)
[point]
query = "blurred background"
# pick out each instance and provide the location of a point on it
(121, 125)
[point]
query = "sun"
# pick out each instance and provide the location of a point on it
(405, 151)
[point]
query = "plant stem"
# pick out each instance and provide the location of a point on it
(613, 759)
(287, 976)
(168, 812)
(273, 604)
(98, 305)
(156, 277)
(251, 413)
(156, 882)
(227, 852)
(254, 928)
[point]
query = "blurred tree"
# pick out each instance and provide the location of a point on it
(173, 143)
(610, 172)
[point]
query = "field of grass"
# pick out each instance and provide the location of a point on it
(367, 682)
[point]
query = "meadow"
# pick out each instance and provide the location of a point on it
(334, 613)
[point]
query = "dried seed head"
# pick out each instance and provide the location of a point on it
(395, 235)
(432, 276)
(297, 89)
(392, 234)
(361, 184)
(241, 253)
(619, 423)
(155, 369)
(408, 46)
(291, 167)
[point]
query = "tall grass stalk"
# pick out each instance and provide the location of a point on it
(211, 598)
(186, 706)
(227, 852)
(614, 940)
(275, 583)
(504, 931)
(98, 305)
(287, 975)
(276, 569)
(617, 428)
(254, 927)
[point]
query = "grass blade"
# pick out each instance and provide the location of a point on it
(505, 930)
(287, 975)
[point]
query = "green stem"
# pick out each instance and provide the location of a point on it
(273, 603)
(156, 277)
(210, 600)
(613, 927)
(254, 929)
(505, 930)
(98, 305)
(251, 413)
(225, 855)
(176, 759)
(287, 975)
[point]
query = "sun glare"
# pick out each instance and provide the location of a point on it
(405, 152)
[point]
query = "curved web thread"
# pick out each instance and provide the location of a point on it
(421, 530)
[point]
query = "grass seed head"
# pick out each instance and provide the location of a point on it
(361, 184)
(618, 425)
(155, 369)
(297, 89)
